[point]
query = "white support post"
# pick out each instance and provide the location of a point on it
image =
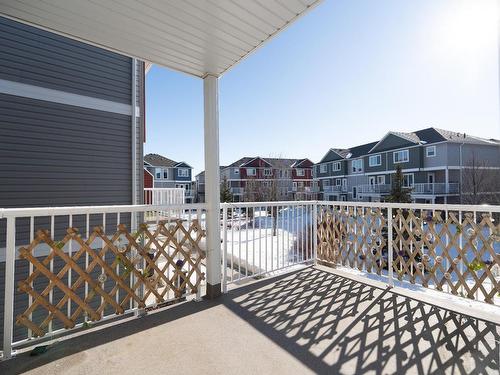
(10, 259)
(390, 256)
(224, 253)
(212, 185)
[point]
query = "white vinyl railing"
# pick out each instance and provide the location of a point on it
(435, 188)
(83, 264)
(165, 196)
(263, 237)
(450, 248)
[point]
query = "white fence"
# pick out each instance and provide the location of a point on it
(164, 196)
(68, 267)
(264, 237)
(71, 263)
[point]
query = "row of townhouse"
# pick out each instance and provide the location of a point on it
(438, 166)
(161, 172)
(259, 179)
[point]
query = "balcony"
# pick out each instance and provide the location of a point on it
(308, 287)
(334, 189)
(436, 188)
(237, 190)
(374, 189)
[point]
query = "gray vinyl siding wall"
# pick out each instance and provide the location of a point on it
(53, 154)
(40, 58)
(415, 159)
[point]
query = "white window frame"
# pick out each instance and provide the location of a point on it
(158, 173)
(412, 180)
(236, 171)
(338, 182)
(403, 153)
(164, 173)
(376, 163)
(429, 148)
(323, 168)
(372, 180)
(253, 173)
(381, 179)
(268, 172)
(336, 166)
(356, 161)
(185, 172)
(301, 172)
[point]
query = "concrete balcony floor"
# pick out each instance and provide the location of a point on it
(308, 321)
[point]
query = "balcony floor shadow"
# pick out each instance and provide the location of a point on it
(309, 321)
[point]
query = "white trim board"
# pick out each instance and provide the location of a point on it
(63, 97)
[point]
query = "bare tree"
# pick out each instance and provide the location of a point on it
(479, 184)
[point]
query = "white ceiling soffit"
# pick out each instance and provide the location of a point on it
(197, 37)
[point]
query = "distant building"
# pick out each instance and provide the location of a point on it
(439, 166)
(258, 179)
(167, 173)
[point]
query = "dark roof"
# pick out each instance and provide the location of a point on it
(423, 136)
(240, 162)
(456, 137)
(221, 167)
(161, 161)
(360, 150)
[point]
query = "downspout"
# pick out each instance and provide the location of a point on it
(461, 173)
(134, 131)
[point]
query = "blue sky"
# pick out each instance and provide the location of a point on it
(344, 74)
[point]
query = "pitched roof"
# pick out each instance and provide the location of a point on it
(456, 137)
(360, 150)
(157, 160)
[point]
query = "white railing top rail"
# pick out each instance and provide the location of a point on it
(82, 210)
(423, 206)
(163, 189)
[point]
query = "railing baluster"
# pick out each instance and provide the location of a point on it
(30, 298)
(70, 254)
(10, 260)
(390, 266)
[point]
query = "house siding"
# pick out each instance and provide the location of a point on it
(36, 57)
(54, 155)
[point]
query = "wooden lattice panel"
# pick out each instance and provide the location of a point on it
(353, 237)
(454, 253)
(137, 264)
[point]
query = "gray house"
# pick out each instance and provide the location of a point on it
(439, 166)
(71, 132)
(168, 173)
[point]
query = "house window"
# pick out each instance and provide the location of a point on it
(251, 172)
(430, 151)
(323, 168)
(408, 180)
(354, 192)
(338, 181)
(268, 171)
(300, 172)
(158, 172)
(183, 172)
(336, 166)
(375, 160)
(357, 165)
(236, 171)
(401, 156)
(165, 173)
(381, 180)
